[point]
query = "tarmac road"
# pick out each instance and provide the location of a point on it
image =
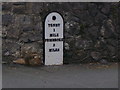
(66, 76)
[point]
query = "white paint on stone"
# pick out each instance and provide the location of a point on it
(53, 28)
(53, 31)
(54, 57)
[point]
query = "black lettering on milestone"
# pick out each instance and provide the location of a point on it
(54, 50)
(53, 45)
(49, 25)
(58, 25)
(50, 35)
(54, 30)
(49, 50)
(54, 25)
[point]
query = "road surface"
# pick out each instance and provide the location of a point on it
(66, 76)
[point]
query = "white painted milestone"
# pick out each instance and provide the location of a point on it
(54, 53)
(53, 39)
(54, 26)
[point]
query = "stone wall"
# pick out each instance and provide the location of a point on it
(91, 30)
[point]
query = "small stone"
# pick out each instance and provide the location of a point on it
(32, 58)
(82, 43)
(103, 61)
(19, 61)
(35, 61)
(112, 50)
(23, 20)
(10, 47)
(27, 28)
(92, 9)
(94, 31)
(37, 8)
(109, 29)
(13, 33)
(31, 47)
(7, 53)
(67, 46)
(99, 18)
(96, 55)
(106, 9)
(30, 36)
(7, 19)
(6, 6)
(19, 10)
